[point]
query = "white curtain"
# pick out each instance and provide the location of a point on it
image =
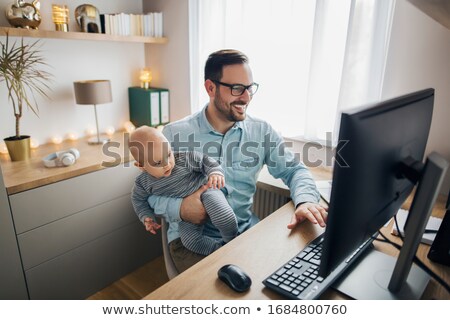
(307, 56)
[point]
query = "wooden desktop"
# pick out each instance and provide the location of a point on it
(264, 248)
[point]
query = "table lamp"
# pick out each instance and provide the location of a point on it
(93, 92)
(145, 75)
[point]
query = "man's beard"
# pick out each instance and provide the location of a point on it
(227, 110)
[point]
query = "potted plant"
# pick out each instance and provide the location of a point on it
(21, 70)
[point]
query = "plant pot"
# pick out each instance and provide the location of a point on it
(18, 148)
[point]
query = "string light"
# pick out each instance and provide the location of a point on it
(110, 130)
(3, 148)
(72, 136)
(129, 126)
(34, 143)
(90, 131)
(56, 139)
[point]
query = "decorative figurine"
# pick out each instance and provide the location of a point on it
(88, 18)
(22, 14)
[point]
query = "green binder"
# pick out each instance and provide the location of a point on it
(148, 106)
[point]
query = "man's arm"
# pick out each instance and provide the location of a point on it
(283, 164)
(188, 209)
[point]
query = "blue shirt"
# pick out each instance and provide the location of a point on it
(242, 152)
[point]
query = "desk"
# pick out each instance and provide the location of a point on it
(263, 249)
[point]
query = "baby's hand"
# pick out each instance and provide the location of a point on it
(216, 181)
(151, 226)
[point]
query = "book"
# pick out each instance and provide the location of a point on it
(430, 230)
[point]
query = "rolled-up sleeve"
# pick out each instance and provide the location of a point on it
(167, 207)
(282, 163)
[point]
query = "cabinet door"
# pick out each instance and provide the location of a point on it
(11, 275)
(37, 207)
(89, 268)
(53, 239)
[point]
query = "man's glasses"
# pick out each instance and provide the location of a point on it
(238, 89)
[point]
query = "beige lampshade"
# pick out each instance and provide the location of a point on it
(92, 91)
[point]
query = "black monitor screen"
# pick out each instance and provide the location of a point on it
(367, 189)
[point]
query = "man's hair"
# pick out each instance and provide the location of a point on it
(217, 60)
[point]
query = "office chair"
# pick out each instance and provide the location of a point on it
(171, 270)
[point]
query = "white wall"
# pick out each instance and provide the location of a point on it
(73, 60)
(419, 57)
(170, 63)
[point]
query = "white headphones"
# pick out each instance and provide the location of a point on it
(61, 158)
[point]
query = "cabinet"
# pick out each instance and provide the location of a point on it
(76, 229)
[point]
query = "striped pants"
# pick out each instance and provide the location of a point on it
(222, 217)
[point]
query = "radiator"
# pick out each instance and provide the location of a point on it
(265, 202)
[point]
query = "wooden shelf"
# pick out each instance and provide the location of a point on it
(18, 32)
(25, 175)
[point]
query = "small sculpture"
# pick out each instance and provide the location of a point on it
(22, 14)
(88, 18)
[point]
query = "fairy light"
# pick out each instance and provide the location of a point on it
(3, 148)
(56, 139)
(34, 143)
(72, 136)
(160, 128)
(110, 130)
(129, 126)
(90, 131)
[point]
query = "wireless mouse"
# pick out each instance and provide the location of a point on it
(234, 277)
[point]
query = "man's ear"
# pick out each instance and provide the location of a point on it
(210, 88)
(138, 165)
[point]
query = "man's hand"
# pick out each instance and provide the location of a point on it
(151, 226)
(192, 209)
(216, 181)
(314, 212)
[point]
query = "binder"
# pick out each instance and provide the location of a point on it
(148, 106)
(164, 106)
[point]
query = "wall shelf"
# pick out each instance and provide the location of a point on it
(18, 32)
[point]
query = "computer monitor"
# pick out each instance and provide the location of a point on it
(377, 164)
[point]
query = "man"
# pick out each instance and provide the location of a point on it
(242, 145)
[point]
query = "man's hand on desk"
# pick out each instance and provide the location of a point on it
(192, 209)
(314, 212)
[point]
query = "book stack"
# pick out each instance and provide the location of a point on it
(127, 24)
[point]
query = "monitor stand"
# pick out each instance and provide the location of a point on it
(379, 276)
(368, 279)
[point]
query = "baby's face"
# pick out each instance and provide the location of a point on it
(160, 160)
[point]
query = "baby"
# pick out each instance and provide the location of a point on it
(179, 175)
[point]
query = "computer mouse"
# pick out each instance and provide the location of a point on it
(234, 277)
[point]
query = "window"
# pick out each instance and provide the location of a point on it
(311, 58)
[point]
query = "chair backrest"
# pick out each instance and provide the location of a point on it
(171, 270)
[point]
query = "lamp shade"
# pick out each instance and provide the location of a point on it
(92, 91)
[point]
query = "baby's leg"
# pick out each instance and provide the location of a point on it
(192, 238)
(220, 213)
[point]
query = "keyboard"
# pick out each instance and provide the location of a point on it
(299, 277)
